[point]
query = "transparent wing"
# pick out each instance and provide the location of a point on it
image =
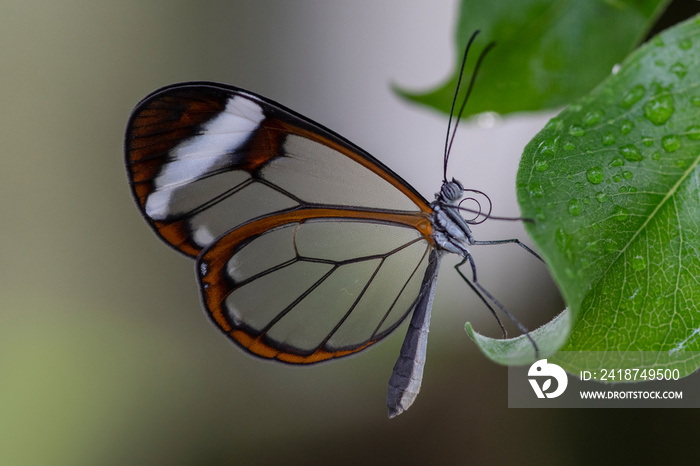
(205, 158)
(303, 290)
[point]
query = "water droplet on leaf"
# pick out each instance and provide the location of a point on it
(626, 126)
(659, 109)
(574, 207)
(554, 124)
(536, 190)
(631, 153)
(548, 147)
(633, 96)
(693, 133)
(595, 175)
(679, 70)
(541, 165)
(576, 130)
(671, 143)
(592, 117)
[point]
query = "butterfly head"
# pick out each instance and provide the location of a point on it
(451, 192)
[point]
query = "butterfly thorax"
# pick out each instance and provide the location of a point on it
(451, 231)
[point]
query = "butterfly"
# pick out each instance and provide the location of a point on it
(307, 248)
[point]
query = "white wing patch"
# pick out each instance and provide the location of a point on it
(201, 155)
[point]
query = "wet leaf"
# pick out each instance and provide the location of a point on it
(547, 53)
(617, 204)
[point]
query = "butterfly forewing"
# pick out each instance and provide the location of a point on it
(308, 248)
(204, 159)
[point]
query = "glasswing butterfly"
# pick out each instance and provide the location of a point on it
(307, 248)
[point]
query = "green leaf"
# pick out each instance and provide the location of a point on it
(613, 184)
(519, 350)
(548, 52)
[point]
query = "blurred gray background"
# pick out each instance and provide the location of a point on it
(106, 356)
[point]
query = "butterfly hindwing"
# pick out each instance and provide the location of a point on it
(312, 289)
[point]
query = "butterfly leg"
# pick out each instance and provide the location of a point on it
(484, 294)
(506, 241)
(481, 297)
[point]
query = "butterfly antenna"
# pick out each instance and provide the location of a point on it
(451, 135)
(454, 101)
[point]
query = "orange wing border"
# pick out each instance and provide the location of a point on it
(213, 280)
